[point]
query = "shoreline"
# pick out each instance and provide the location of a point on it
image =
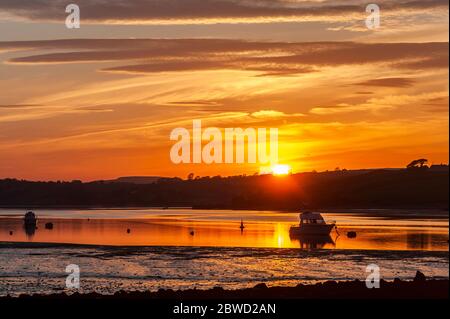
(419, 288)
(413, 213)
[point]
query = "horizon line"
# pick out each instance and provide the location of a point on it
(198, 176)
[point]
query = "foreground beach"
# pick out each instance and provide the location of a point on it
(40, 269)
(419, 288)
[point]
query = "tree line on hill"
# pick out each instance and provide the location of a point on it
(406, 188)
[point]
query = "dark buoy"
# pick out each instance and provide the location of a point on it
(49, 226)
(128, 231)
(351, 234)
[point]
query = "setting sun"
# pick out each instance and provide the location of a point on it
(281, 170)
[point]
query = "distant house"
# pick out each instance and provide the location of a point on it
(439, 168)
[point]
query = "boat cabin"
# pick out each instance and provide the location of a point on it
(311, 218)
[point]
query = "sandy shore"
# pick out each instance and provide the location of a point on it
(420, 288)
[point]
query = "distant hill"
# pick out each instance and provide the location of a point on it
(401, 188)
(136, 179)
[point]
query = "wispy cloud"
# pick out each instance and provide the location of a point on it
(267, 58)
(210, 11)
(380, 104)
(389, 82)
(266, 114)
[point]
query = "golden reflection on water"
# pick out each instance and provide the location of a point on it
(264, 229)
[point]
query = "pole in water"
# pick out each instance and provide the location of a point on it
(337, 231)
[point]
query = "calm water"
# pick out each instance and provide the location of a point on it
(162, 252)
(380, 230)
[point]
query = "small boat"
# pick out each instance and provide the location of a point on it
(312, 224)
(30, 219)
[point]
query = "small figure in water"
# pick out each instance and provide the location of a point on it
(242, 227)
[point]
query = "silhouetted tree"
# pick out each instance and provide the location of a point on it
(420, 163)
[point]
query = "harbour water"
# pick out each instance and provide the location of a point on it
(149, 249)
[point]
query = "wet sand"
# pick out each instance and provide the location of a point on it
(30, 268)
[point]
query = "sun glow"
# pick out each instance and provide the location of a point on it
(281, 170)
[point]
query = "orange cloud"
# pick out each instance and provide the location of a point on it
(211, 11)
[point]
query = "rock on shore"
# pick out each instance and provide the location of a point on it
(420, 288)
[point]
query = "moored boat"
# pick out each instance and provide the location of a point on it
(30, 219)
(312, 224)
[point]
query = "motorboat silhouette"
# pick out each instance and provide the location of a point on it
(30, 219)
(312, 224)
(29, 223)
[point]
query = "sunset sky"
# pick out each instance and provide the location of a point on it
(100, 101)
